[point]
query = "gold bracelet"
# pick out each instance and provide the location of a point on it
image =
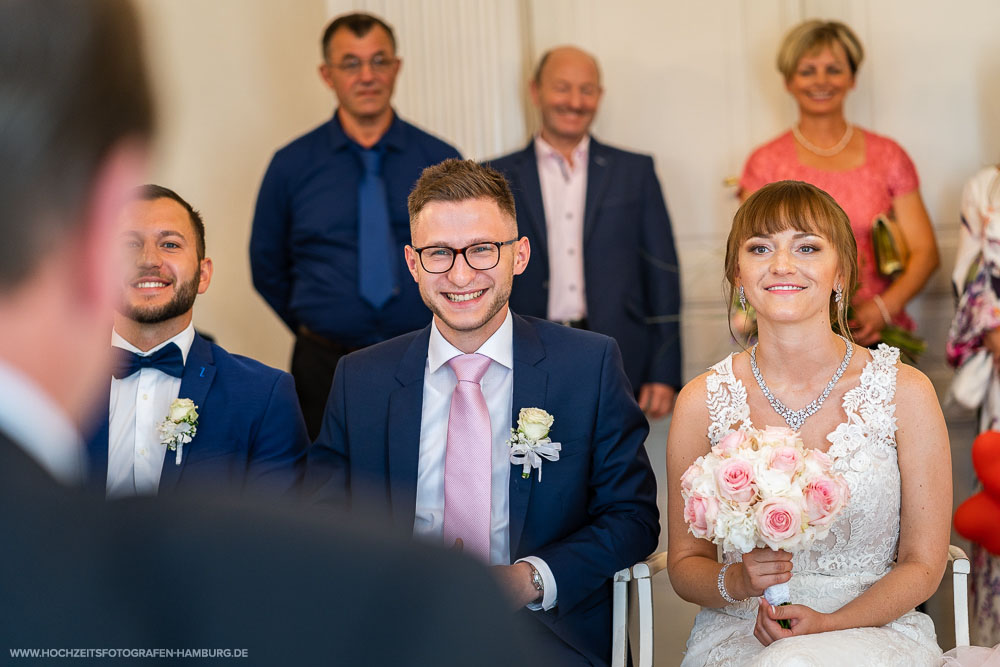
(880, 304)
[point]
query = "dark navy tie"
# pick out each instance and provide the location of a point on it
(377, 251)
(167, 359)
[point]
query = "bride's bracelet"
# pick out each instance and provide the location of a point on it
(722, 587)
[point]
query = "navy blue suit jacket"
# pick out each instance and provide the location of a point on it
(251, 436)
(593, 513)
(629, 262)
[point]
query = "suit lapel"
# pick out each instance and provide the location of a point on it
(403, 431)
(199, 372)
(98, 445)
(530, 383)
(531, 187)
(598, 172)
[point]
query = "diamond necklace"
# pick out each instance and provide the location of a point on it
(824, 152)
(795, 418)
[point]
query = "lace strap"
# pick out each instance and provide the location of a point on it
(726, 398)
(885, 363)
(869, 406)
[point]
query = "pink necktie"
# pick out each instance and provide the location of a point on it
(468, 463)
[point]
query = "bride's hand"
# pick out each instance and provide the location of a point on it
(763, 568)
(804, 621)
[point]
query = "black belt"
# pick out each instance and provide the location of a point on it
(576, 324)
(338, 348)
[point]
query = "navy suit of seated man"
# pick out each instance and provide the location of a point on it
(250, 436)
(402, 436)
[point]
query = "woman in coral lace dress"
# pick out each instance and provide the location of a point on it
(866, 173)
(791, 256)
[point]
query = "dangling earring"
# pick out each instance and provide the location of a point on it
(838, 294)
(743, 299)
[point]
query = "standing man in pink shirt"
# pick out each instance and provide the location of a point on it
(603, 250)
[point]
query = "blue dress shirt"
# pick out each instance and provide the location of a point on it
(304, 245)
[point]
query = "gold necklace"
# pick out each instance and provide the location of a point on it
(824, 152)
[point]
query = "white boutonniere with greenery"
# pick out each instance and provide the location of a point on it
(180, 426)
(530, 443)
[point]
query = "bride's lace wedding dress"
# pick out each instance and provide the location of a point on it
(859, 550)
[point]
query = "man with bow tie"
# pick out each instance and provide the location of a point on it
(249, 435)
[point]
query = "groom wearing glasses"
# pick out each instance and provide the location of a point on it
(330, 222)
(418, 427)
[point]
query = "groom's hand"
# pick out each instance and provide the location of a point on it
(515, 580)
(804, 621)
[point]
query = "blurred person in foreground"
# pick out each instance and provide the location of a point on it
(867, 174)
(78, 574)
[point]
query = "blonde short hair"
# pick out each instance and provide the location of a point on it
(784, 205)
(811, 36)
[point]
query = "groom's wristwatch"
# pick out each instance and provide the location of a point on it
(536, 581)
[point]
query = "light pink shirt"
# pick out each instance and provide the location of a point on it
(498, 390)
(564, 195)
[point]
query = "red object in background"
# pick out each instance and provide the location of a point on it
(978, 518)
(986, 461)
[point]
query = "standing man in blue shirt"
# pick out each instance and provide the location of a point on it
(330, 225)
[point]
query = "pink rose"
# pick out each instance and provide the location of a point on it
(786, 459)
(734, 478)
(730, 443)
(700, 513)
(779, 435)
(692, 473)
(779, 521)
(825, 497)
(821, 458)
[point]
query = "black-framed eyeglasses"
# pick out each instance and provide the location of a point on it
(380, 64)
(479, 256)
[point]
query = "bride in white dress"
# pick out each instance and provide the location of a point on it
(790, 254)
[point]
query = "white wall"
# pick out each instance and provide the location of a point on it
(691, 83)
(234, 80)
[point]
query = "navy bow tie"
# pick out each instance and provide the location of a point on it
(167, 359)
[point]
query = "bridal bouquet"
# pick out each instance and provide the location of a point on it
(763, 489)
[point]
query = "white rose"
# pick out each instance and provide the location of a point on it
(534, 423)
(771, 482)
(735, 530)
(181, 409)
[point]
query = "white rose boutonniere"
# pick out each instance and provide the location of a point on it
(530, 441)
(180, 426)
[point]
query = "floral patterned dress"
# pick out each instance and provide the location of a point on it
(859, 550)
(980, 240)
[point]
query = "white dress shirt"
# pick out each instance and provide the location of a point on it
(564, 196)
(498, 389)
(138, 403)
(30, 418)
